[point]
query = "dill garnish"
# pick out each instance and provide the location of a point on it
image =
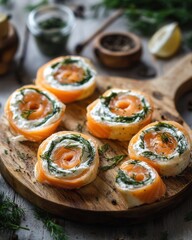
(10, 214)
(56, 109)
(106, 99)
(130, 179)
(70, 61)
(87, 147)
(26, 113)
(182, 142)
(56, 231)
(114, 160)
(103, 149)
(87, 73)
(106, 114)
(64, 62)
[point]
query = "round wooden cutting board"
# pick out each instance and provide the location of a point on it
(100, 202)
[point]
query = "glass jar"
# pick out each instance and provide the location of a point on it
(51, 26)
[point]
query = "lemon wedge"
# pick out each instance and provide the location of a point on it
(166, 41)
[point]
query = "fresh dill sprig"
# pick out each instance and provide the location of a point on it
(10, 214)
(56, 231)
(103, 149)
(114, 160)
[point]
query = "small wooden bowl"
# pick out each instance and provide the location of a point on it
(114, 57)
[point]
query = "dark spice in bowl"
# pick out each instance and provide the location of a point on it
(117, 43)
(118, 49)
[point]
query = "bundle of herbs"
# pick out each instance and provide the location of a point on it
(114, 161)
(56, 231)
(11, 216)
(147, 16)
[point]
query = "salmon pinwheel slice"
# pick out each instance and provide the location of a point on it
(139, 183)
(164, 145)
(33, 113)
(119, 114)
(70, 78)
(68, 160)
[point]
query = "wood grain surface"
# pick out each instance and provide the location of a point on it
(99, 201)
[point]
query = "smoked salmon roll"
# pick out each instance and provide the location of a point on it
(33, 113)
(68, 160)
(139, 183)
(119, 114)
(70, 78)
(164, 145)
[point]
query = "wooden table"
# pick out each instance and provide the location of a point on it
(172, 224)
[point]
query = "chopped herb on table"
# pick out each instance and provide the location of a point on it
(56, 231)
(10, 214)
(114, 161)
